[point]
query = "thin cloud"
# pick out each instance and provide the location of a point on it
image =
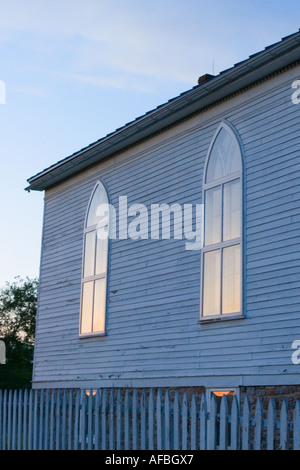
(164, 41)
(30, 90)
(119, 82)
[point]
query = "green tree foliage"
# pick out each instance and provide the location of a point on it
(18, 304)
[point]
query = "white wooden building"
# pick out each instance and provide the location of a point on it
(137, 310)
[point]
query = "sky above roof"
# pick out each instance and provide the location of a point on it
(75, 71)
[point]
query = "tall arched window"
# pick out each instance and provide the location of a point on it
(94, 276)
(222, 250)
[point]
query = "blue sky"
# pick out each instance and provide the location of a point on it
(77, 70)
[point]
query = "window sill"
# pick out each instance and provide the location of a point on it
(91, 335)
(221, 318)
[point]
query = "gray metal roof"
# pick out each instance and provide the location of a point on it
(242, 74)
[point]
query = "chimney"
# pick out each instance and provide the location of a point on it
(205, 78)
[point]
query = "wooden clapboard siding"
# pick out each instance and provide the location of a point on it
(153, 331)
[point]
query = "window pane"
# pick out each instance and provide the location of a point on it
(98, 199)
(225, 158)
(89, 254)
(213, 215)
(87, 307)
(101, 254)
(212, 283)
(232, 210)
(99, 306)
(231, 287)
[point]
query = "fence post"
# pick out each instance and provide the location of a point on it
(97, 419)
(70, 419)
(223, 423)
(119, 419)
(235, 425)
(111, 419)
(184, 421)
(271, 420)
(203, 423)
(135, 420)
(9, 419)
(297, 426)
(90, 419)
(284, 427)
(151, 413)
(194, 422)
(159, 421)
(127, 420)
(143, 420)
(64, 421)
(46, 421)
(25, 417)
(30, 423)
(212, 423)
(41, 420)
(246, 425)
(258, 420)
(82, 421)
(58, 421)
(20, 430)
(77, 420)
(52, 419)
(167, 421)
(104, 421)
(176, 421)
(14, 420)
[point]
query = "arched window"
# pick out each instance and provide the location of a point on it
(222, 249)
(94, 276)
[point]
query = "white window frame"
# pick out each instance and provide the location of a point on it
(223, 244)
(94, 277)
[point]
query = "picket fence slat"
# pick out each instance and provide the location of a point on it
(127, 420)
(159, 421)
(143, 420)
(203, 423)
(118, 419)
(271, 418)
(223, 424)
(246, 425)
(176, 425)
(77, 420)
(135, 420)
(258, 432)
(296, 430)
(234, 425)
(212, 424)
(284, 427)
(168, 436)
(194, 422)
(104, 420)
(185, 413)
(151, 413)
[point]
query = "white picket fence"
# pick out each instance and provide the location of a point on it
(129, 419)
